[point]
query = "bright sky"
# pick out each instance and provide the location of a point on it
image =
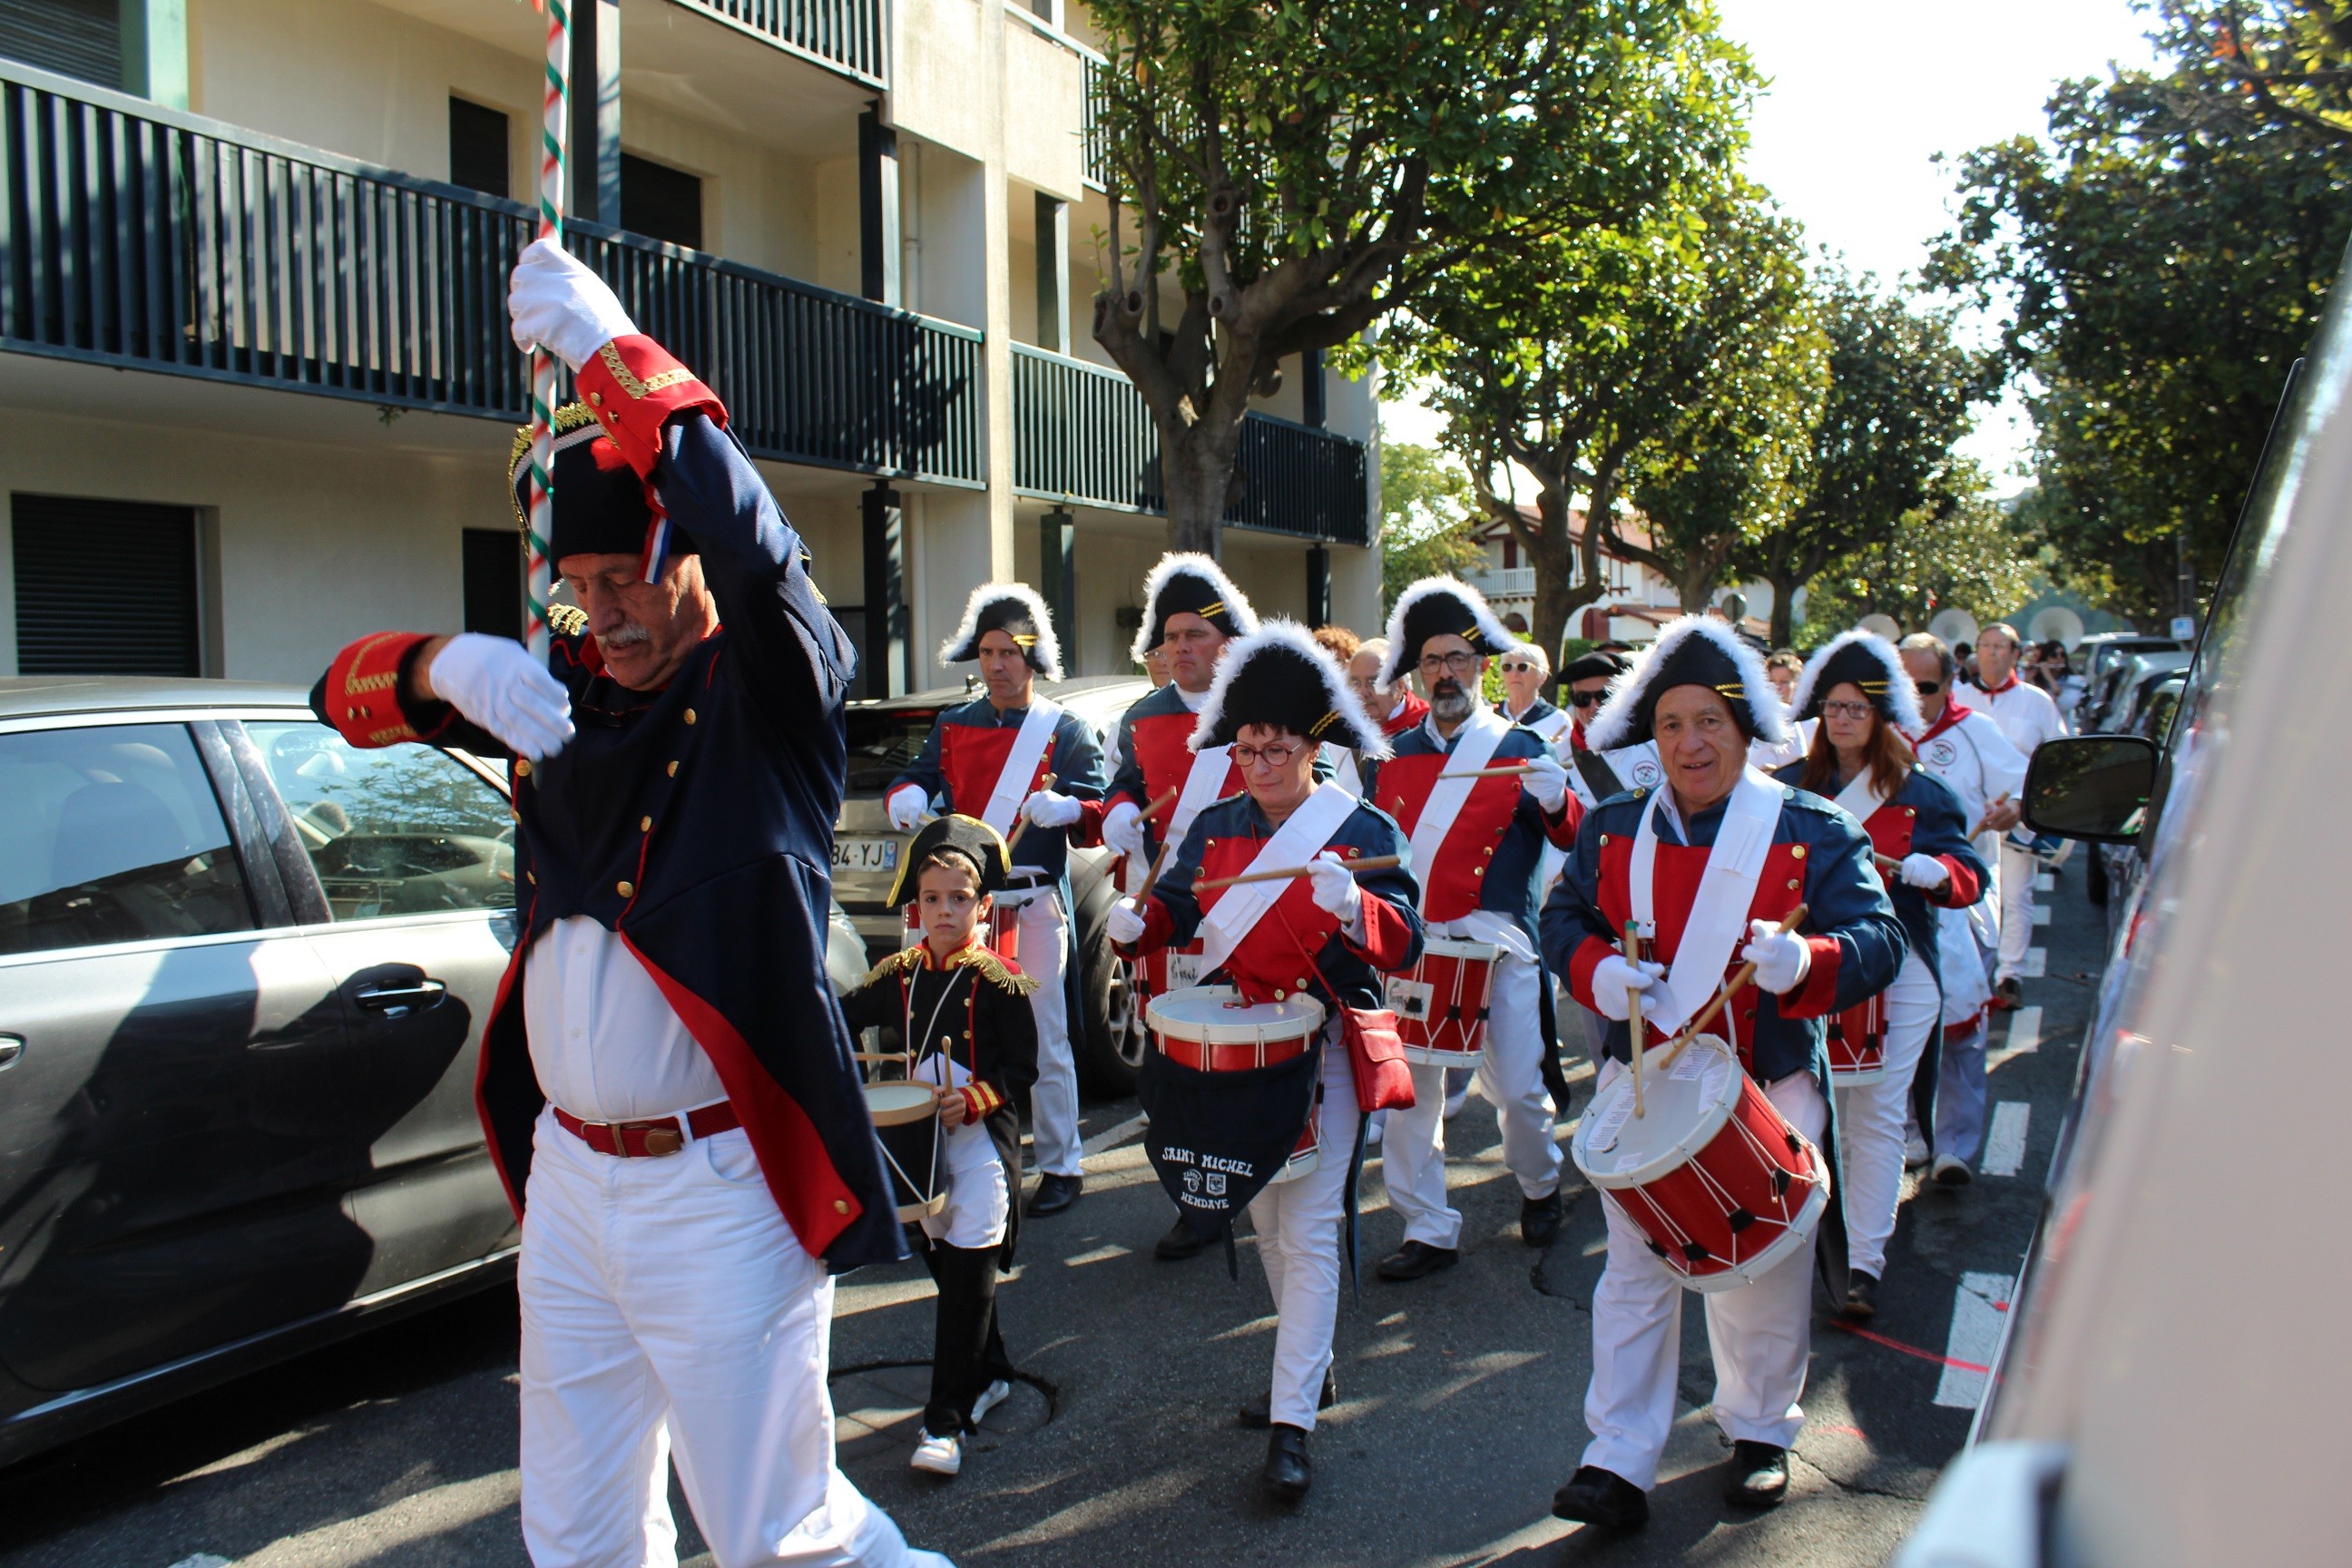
(1864, 93)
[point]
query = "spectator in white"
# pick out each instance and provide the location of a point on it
(2028, 717)
(1525, 669)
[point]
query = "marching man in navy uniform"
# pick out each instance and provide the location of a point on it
(1861, 758)
(666, 1081)
(991, 759)
(1477, 844)
(1329, 935)
(1720, 853)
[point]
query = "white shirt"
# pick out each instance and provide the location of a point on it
(1974, 757)
(603, 1040)
(2023, 710)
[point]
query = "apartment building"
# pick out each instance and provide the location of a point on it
(257, 387)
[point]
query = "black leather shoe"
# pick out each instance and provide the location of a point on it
(1861, 1297)
(1539, 1219)
(1416, 1260)
(1181, 1243)
(1603, 1498)
(1257, 1412)
(1053, 1195)
(1759, 1475)
(2008, 996)
(1287, 1474)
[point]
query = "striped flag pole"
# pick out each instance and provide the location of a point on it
(555, 136)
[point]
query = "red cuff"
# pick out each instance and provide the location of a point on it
(1962, 890)
(1581, 966)
(1561, 829)
(1817, 997)
(633, 386)
(1087, 831)
(362, 690)
(980, 1100)
(1388, 935)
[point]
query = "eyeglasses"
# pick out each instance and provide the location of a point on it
(1854, 710)
(1518, 666)
(1586, 699)
(1455, 663)
(1273, 756)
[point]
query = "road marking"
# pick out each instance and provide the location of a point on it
(2005, 1144)
(2041, 914)
(1111, 1137)
(202, 1560)
(1104, 1254)
(1978, 1310)
(2036, 964)
(2044, 882)
(2024, 1034)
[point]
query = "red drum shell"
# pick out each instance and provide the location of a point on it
(1857, 1043)
(1309, 1148)
(1449, 1029)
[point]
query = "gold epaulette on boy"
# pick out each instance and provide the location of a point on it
(992, 968)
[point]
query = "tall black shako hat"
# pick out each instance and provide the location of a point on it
(1015, 609)
(1185, 583)
(1696, 650)
(969, 836)
(1870, 662)
(1280, 677)
(1437, 606)
(599, 506)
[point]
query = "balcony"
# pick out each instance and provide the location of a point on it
(847, 36)
(1081, 432)
(1503, 582)
(144, 238)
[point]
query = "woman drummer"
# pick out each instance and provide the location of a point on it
(1329, 934)
(963, 1014)
(1859, 690)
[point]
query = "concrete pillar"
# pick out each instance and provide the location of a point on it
(884, 668)
(595, 152)
(155, 51)
(877, 207)
(1057, 579)
(1053, 274)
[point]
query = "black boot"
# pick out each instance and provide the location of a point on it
(1416, 1260)
(1602, 1498)
(1861, 1297)
(1539, 1219)
(1053, 1195)
(1759, 1475)
(1180, 1242)
(1257, 1411)
(1287, 1474)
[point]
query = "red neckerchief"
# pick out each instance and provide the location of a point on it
(1576, 738)
(1953, 714)
(1996, 691)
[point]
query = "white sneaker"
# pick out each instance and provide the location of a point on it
(1914, 1152)
(939, 1456)
(995, 1394)
(1454, 1102)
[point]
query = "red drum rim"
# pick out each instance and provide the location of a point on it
(1202, 1014)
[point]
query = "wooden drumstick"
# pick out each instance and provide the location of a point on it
(1152, 880)
(1887, 863)
(1369, 863)
(1022, 826)
(1723, 996)
(2001, 799)
(1162, 804)
(1500, 771)
(1633, 1020)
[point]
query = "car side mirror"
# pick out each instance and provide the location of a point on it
(2092, 787)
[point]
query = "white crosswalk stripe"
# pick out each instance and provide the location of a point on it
(2043, 914)
(2036, 964)
(2044, 882)
(1978, 1308)
(2005, 1143)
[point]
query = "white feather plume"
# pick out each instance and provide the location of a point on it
(1364, 735)
(1192, 565)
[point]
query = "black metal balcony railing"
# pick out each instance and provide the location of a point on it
(1093, 102)
(847, 35)
(1081, 432)
(141, 238)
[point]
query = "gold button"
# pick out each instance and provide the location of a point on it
(629, 890)
(1302, 982)
(1798, 853)
(841, 1206)
(673, 769)
(1794, 884)
(1910, 811)
(1604, 841)
(596, 398)
(1278, 995)
(522, 767)
(645, 824)
(690, 715)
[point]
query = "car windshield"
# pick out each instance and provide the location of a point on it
(883, 742)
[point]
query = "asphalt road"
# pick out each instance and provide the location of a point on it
(1460, 1395)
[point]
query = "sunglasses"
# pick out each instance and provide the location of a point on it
(1515, 667)
(1927, 687)
(1586, 699)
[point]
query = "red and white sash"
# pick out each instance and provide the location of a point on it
(1302, 837)
(1480, 734)
(1727, 889)
(1020, 770)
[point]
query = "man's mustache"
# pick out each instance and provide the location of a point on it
(1446, 687)
(628, 635)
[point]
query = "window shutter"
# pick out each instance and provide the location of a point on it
(104, 587)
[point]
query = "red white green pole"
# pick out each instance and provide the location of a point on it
(555, 135)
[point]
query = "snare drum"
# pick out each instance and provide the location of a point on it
(1210, 1028)
(1170, 969)
(1858, 1044)
(1441, 1007)
(906, 1120)
(1711, 1173)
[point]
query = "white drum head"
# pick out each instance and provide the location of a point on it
(1442, 947)
(1682, 1107)
(1216, 1016)
(889, 1104)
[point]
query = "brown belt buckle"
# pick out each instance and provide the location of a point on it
(665, 1139)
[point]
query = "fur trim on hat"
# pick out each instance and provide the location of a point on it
(1190, 565)
(1402, 660)
(1045, 656)
(1613, 726)
(1901, 694)
(1355, 729)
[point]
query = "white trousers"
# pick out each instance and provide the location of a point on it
(1298, 1240)
(2017, 870)
(1762, 1334)
(1871, 1117)
(666, 1301)
(1054, 1102)
(980, 1202)
(1510, 1079)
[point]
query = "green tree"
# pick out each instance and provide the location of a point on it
(2285, 63)
(1962, 548)
(1900, 391)
(1429, 518)
(1285, 172)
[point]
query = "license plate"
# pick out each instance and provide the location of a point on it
(865, 854)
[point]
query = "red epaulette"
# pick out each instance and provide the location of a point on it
(362, 689)
(633, 386)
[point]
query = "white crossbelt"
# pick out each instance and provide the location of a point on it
(1021, 763)
(1727, 890)
(1300, 839)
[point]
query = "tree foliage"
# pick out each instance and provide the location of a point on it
(1284, 173)
(2286, 63)
(1429, 518)
(1961, 547)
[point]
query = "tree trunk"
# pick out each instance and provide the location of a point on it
(1196, 480)
(1784, 616)
(1558, 594)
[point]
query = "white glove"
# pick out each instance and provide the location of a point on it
(1615, 984)
(1049, 809)
(556, 300)
(1924, 871)
(1781, 958)
(1122, 827)
(495, 682)
(1124, 925)
(1334, 888)
(905, 805)
(1547, 781)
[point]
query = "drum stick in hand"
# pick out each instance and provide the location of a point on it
(1369, 863)
(2001, 799)
(1022, 826)
(1152, 881)
(1500, 771)
(1738, 982)
(1162, 804)
(1633, 1020)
